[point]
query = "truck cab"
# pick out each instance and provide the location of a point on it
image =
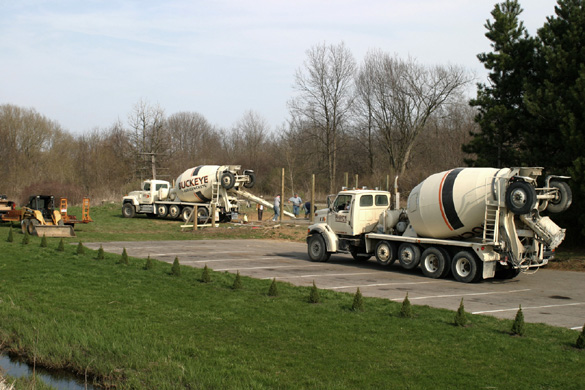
(349, 216)
(142, 201)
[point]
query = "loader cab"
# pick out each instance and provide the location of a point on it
(43, 203)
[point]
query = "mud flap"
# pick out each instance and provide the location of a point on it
(55, 231)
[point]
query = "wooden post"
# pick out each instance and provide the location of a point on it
(388, 183)
(312, 205)
(213, 210)
(194, 217)
(356, 181)
(346, 179)
(281, 196)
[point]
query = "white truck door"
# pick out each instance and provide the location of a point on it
(339, 216)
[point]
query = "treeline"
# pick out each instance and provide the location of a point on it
(382, 118)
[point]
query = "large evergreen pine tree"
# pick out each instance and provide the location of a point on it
(502, 116)
(557, 99)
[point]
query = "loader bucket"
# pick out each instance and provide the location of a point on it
(55, 231)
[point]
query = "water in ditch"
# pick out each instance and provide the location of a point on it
(57, 379)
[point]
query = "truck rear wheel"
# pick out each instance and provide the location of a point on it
(162, 210)
(202, 214)
(128, 210)
(466, 267)
(186, 213)
(174, 211)
(252, 178)
(563, 200)
(520, 197)
(317, 249)
(409, 255)
(435, 262)
(386, 252)
(228, 180)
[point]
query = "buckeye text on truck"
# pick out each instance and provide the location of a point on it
(197, 188)
(475, 223)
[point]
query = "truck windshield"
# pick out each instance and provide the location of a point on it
(161, 185)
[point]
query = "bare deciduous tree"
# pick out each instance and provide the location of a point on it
(325, 87)
(148, 135)
(403, 96)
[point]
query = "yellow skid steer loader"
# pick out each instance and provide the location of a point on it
(40, 218)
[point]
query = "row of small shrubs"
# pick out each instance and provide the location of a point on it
(406, 311)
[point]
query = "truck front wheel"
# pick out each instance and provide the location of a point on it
(466, 267)
(317, 249)
(128, 210)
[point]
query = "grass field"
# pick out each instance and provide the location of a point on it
(131, 328)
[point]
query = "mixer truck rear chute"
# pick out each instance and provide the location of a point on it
(197, 189)
(471, 222)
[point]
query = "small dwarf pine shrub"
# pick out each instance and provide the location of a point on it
(44, 241)
(581, 339)
(101, 255)
(205, 276)
(80, 248)
(61, 246)
(358, 301)
(124, 258)
(10, 236)
(272, 290)
(25, 238)
(238, 285)
(460, 316)
(518, 325)
(314, 294)
(176, 268)
(148, 265)
(406, 309)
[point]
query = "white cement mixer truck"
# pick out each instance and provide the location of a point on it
(474, 223)
(197, 188)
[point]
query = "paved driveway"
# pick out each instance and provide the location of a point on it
(552, 297)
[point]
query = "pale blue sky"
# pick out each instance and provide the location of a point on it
(86, 63)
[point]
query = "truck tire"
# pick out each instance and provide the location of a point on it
(506, 273)
(359, 256)
(128, 210)
(228, 180)
(409, 255)
(520, 197)
(564, 199)
(252, 176)
(317, 249)
(466, 267)
(435, 262)
(202, 215)
(174, 211)
(186, 213)
(386, 252)
(162, 210)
